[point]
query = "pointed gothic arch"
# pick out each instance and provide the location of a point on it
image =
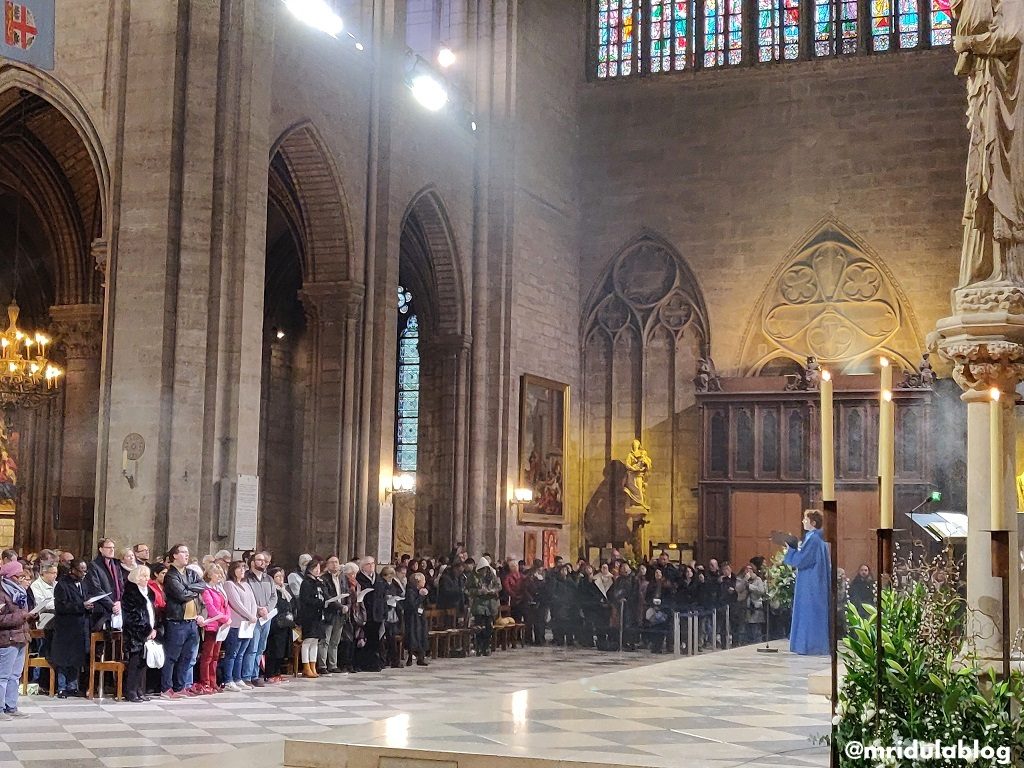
(834, 298)
(644, 329)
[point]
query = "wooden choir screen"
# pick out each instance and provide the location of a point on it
(760, 463)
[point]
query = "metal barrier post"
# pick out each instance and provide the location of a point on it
(714, 628)
(728, 628)
(622, 617)
(676, 640)
(693, 627)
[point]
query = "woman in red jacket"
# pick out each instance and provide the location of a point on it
(14, 637)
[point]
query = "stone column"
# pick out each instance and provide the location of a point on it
(985, 343)
(333, 310)
(78, 330)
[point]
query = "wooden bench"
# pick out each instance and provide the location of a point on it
(440, 636)
(105, 654)
(36, 661)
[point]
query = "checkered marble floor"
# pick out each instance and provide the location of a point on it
(720, 710)
(77, 733)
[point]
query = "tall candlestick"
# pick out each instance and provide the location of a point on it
(887, 458)
(124, 460)
(828, 462)
(885, 386)
(995, 434)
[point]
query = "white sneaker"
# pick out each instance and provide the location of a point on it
(231, 687)
(244, 685)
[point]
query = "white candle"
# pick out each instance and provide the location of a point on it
(124, 459)
(886, 439)
(828, 463)
(885, 386)
(996, 455)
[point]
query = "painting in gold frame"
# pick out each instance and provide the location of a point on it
(543, 425)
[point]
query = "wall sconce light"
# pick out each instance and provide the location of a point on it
(404, 483)
(521, 497)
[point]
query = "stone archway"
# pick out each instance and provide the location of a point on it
(312, 316)
(644, 331)
(429, 270)
(53, 185)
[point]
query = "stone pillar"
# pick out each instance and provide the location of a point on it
(985, 343)
(333, 311)
(78, 330)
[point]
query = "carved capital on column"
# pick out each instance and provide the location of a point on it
(78, 329)
(330, 303)
(998, 297)
(100, 251)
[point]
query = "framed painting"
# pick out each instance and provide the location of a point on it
(550, 543)
(530, 548)
(543, 411)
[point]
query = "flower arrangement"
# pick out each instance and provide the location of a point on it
(934, 687)
(781, 582)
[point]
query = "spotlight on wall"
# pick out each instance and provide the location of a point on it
(446, 56)
(521, 497)
(316, 13)
(429, 91)
(277, 333)
(404, 483)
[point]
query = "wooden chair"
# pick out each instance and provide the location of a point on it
(105, 654)
(35, 660)
(439, 638)
(296, 660)
(517, 631)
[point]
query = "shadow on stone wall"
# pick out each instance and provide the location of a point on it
(604, 518)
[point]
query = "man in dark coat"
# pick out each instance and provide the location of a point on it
(451, 589)
(369, 657)
(105, 577)
(181, 624)
(68, 633)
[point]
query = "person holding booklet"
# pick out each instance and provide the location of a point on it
(266, 609)
(69, 641)
(14, 637)
(282, 626)
(394, 593)
(216, 628)
(243, 624)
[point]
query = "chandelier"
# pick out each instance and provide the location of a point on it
(27, 376)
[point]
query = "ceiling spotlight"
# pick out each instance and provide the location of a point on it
(429, 92)
(318, 14)
(445, 56)
(359, 46)
(472, 124)
(279, 333)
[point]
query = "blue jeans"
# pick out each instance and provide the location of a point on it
(12, 662)
(181, 647)
(251, 664)
(67, 678)
(235, 648)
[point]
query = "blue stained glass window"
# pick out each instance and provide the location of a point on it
(723, 32)
(835, 27)
(407, 395)
(668, 29)
(618, 30)
(942, 23)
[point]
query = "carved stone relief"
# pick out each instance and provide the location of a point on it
(831, 301)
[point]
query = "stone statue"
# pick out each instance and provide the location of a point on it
(707, 379)
(808, 379)
(638, 464)
(988, 38)
(922, 378)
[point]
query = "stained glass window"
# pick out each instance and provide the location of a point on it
(778, 30)
(723, 32)
(407, 406)
(835, 27)
(618, 33)
(669, 35)
(894, 22)
(942, 23)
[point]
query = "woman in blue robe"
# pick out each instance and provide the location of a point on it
(809, 633)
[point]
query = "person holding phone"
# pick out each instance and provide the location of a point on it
(69, 647)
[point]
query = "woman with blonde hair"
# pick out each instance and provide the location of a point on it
(139, 627)
(218, 615)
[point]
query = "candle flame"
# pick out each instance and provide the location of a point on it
(994, 392)
(884, 362)
(826, 376)
(887, 396)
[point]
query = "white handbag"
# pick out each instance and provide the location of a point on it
(154, 654)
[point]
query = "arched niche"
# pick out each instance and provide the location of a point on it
(833, 298)
(644, 330)
(429, 272)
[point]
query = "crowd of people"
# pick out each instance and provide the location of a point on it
(191, 627)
